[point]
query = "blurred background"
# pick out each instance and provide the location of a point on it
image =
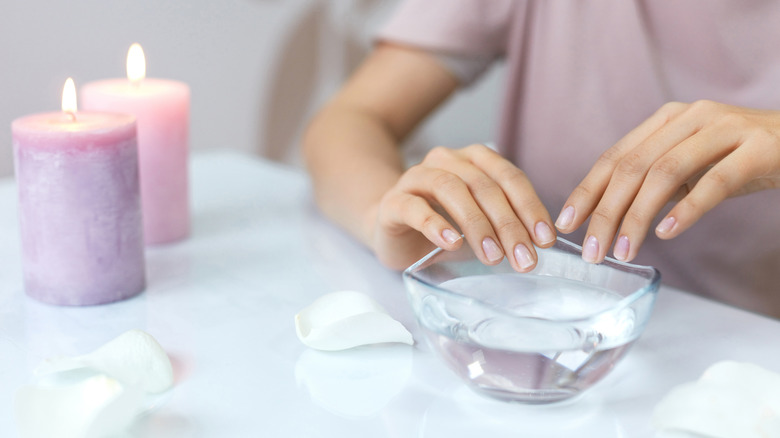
(257, 69)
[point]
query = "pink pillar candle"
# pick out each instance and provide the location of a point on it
(162, 108)
(79, 207)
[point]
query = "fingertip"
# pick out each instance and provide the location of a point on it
(666, 228)
(451, 239)
(492, 251)
(544, 235)
(622, 248)
(524, 259)
(590, 250)
(565, 219)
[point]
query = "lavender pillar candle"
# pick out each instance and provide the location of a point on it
(79, 207)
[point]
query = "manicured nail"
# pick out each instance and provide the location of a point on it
(543, 233)
(566, 218)
(666, 225)
(621, 248)
(450, 236)
(590, 251)
(523, 256)
(491, 249)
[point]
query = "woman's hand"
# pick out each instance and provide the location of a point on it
(473, 191)
(698, 154)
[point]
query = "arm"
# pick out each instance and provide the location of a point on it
(352, 146)
(352, 152)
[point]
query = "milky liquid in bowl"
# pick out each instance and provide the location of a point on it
(553, 338)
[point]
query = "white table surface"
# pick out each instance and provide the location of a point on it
(222, 304)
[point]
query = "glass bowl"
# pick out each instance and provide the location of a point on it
(538, 337)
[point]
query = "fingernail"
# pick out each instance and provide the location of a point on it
(543, 232)
(491, 249)
(523, 256)
(590, 251)
(621, 248)
(666, 225)
(566, 218)
(450, 236)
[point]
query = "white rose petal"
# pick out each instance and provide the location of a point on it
(730, 400)
(134, 358)
(347, 319)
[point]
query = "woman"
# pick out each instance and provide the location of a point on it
(612, 109)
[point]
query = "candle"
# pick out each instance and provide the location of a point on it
(162, 109)
(79, 205)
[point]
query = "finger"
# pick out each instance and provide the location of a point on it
(513, 237)
(586, 195)
(519, 192)
(450, 192)
(627, 178)
(407, 210)
(724, 179)
(667, 177)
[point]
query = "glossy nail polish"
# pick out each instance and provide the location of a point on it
(666, 225)
(622, 247)
(543, 232)
(492, 251)
(566, 218)
(523, 256)
(450, 236)
(590, 250)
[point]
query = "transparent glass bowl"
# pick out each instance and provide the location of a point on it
(537, 337)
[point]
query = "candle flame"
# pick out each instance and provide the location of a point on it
(136, 63)
(69, 97)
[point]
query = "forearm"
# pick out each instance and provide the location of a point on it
(353, 159)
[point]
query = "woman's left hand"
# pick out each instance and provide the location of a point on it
(698, 154)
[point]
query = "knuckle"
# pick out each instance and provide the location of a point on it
(413, 171)
(506, 225)
(483, 184)
(511, 176)
(602, 215)
(718, 180)
(632, 164)
(531, 204)
(634, 218)
(446, 181)
(438, 154)
(430, 220)
(582, 191)
(670, 109)
(610, 156)
(688, 204)
(666, 168)
(477, 148)
(472, 218)
(704, 106)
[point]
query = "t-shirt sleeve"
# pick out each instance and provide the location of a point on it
(466, 36)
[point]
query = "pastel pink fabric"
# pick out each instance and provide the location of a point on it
(582, 74)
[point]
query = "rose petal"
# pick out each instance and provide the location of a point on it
(731, 399)
(347, 319)
(97, 406)
(134, 358)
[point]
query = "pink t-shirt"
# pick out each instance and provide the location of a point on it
(581, 74)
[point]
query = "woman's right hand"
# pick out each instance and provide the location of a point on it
(471, 191)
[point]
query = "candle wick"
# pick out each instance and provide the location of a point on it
(72, 115)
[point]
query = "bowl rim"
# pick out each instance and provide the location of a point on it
(654, 276)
